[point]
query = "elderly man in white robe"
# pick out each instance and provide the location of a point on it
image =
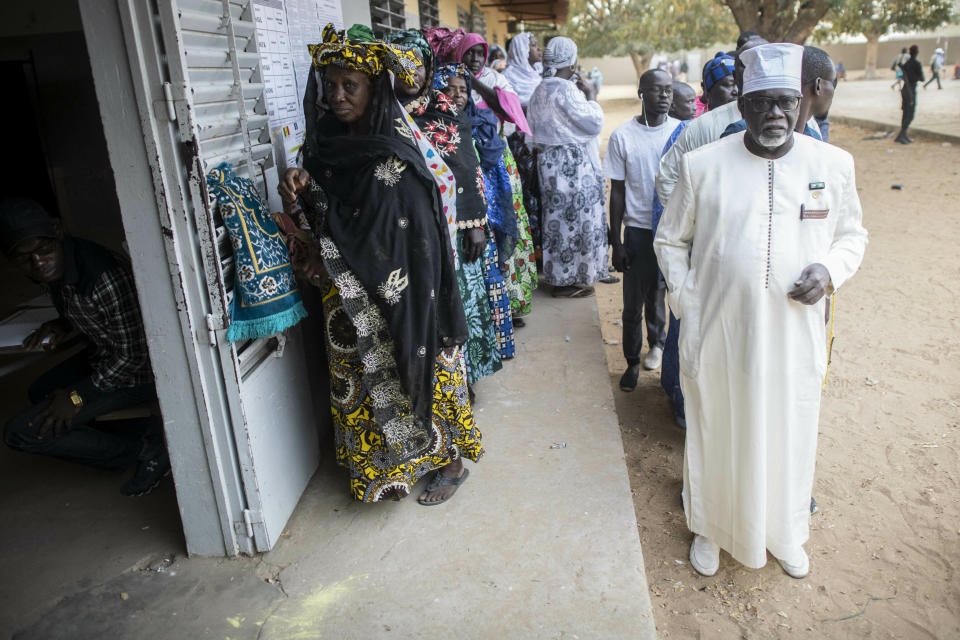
(762, 225)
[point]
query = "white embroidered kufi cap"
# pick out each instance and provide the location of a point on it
(772, 66)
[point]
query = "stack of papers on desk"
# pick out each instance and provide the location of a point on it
(15, 328)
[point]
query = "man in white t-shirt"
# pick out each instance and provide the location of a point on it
(632, 160)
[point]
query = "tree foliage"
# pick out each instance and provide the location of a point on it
(781, 20)
(875, 18)
(644, 27)
(880, 17)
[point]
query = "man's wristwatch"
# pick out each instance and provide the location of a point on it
(76, 400)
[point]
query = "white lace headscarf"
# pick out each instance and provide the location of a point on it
(524, 77)
(560, 53)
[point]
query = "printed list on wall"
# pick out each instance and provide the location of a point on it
(284, 29)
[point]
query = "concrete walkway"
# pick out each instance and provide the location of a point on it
(541, 542)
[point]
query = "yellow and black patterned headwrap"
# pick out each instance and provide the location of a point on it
(371, 57)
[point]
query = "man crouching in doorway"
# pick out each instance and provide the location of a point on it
(93, 291)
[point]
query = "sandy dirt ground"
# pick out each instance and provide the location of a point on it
(886, 542)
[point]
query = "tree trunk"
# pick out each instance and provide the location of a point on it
(778, 20)
(640, 62)
(873, 46)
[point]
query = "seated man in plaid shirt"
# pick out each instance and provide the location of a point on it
(93, 290)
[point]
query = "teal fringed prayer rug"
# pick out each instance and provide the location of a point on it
(265, 296)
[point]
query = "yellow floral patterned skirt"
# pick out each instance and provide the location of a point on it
(360, 446)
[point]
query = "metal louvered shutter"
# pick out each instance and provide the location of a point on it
(223, 71)
(230, 124)
(216, 87)
(478, 21)
(387, 16)
(429, 14)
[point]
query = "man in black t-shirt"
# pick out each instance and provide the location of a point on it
(912, 74)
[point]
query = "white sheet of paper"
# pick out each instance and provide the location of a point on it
(15, 328)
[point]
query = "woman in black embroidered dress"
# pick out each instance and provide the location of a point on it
(449, 131)
(391, 303)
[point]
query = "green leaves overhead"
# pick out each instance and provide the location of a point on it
(879, 17)
(622, 27)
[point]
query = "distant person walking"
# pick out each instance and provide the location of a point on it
(912, 74)
(936, 66)
(596, 76)
(897, 62)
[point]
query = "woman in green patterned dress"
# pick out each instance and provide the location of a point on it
(521, 268)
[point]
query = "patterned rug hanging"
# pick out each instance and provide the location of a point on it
(265, 296)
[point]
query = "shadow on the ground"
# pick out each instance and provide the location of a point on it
(654, 446)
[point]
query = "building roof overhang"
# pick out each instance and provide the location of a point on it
(554, 11)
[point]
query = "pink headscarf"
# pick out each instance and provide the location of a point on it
(449, 46)
(702, 106)
(468, 41)
(442, 41)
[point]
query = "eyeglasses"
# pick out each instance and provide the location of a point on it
(763, 104)
(44, 248)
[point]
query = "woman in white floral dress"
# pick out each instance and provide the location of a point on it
(566, 121)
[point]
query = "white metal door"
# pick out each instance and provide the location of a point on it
(216, 91)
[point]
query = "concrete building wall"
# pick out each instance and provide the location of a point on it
(615, 70)
(411, 10)
(448, 12)
(496, 19)
(619, 70)
(355, 12)
(854, 55)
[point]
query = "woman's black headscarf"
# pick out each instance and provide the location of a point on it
(383, 214)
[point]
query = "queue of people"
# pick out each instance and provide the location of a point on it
(747, 271)
(437, 193)
(429, 258)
